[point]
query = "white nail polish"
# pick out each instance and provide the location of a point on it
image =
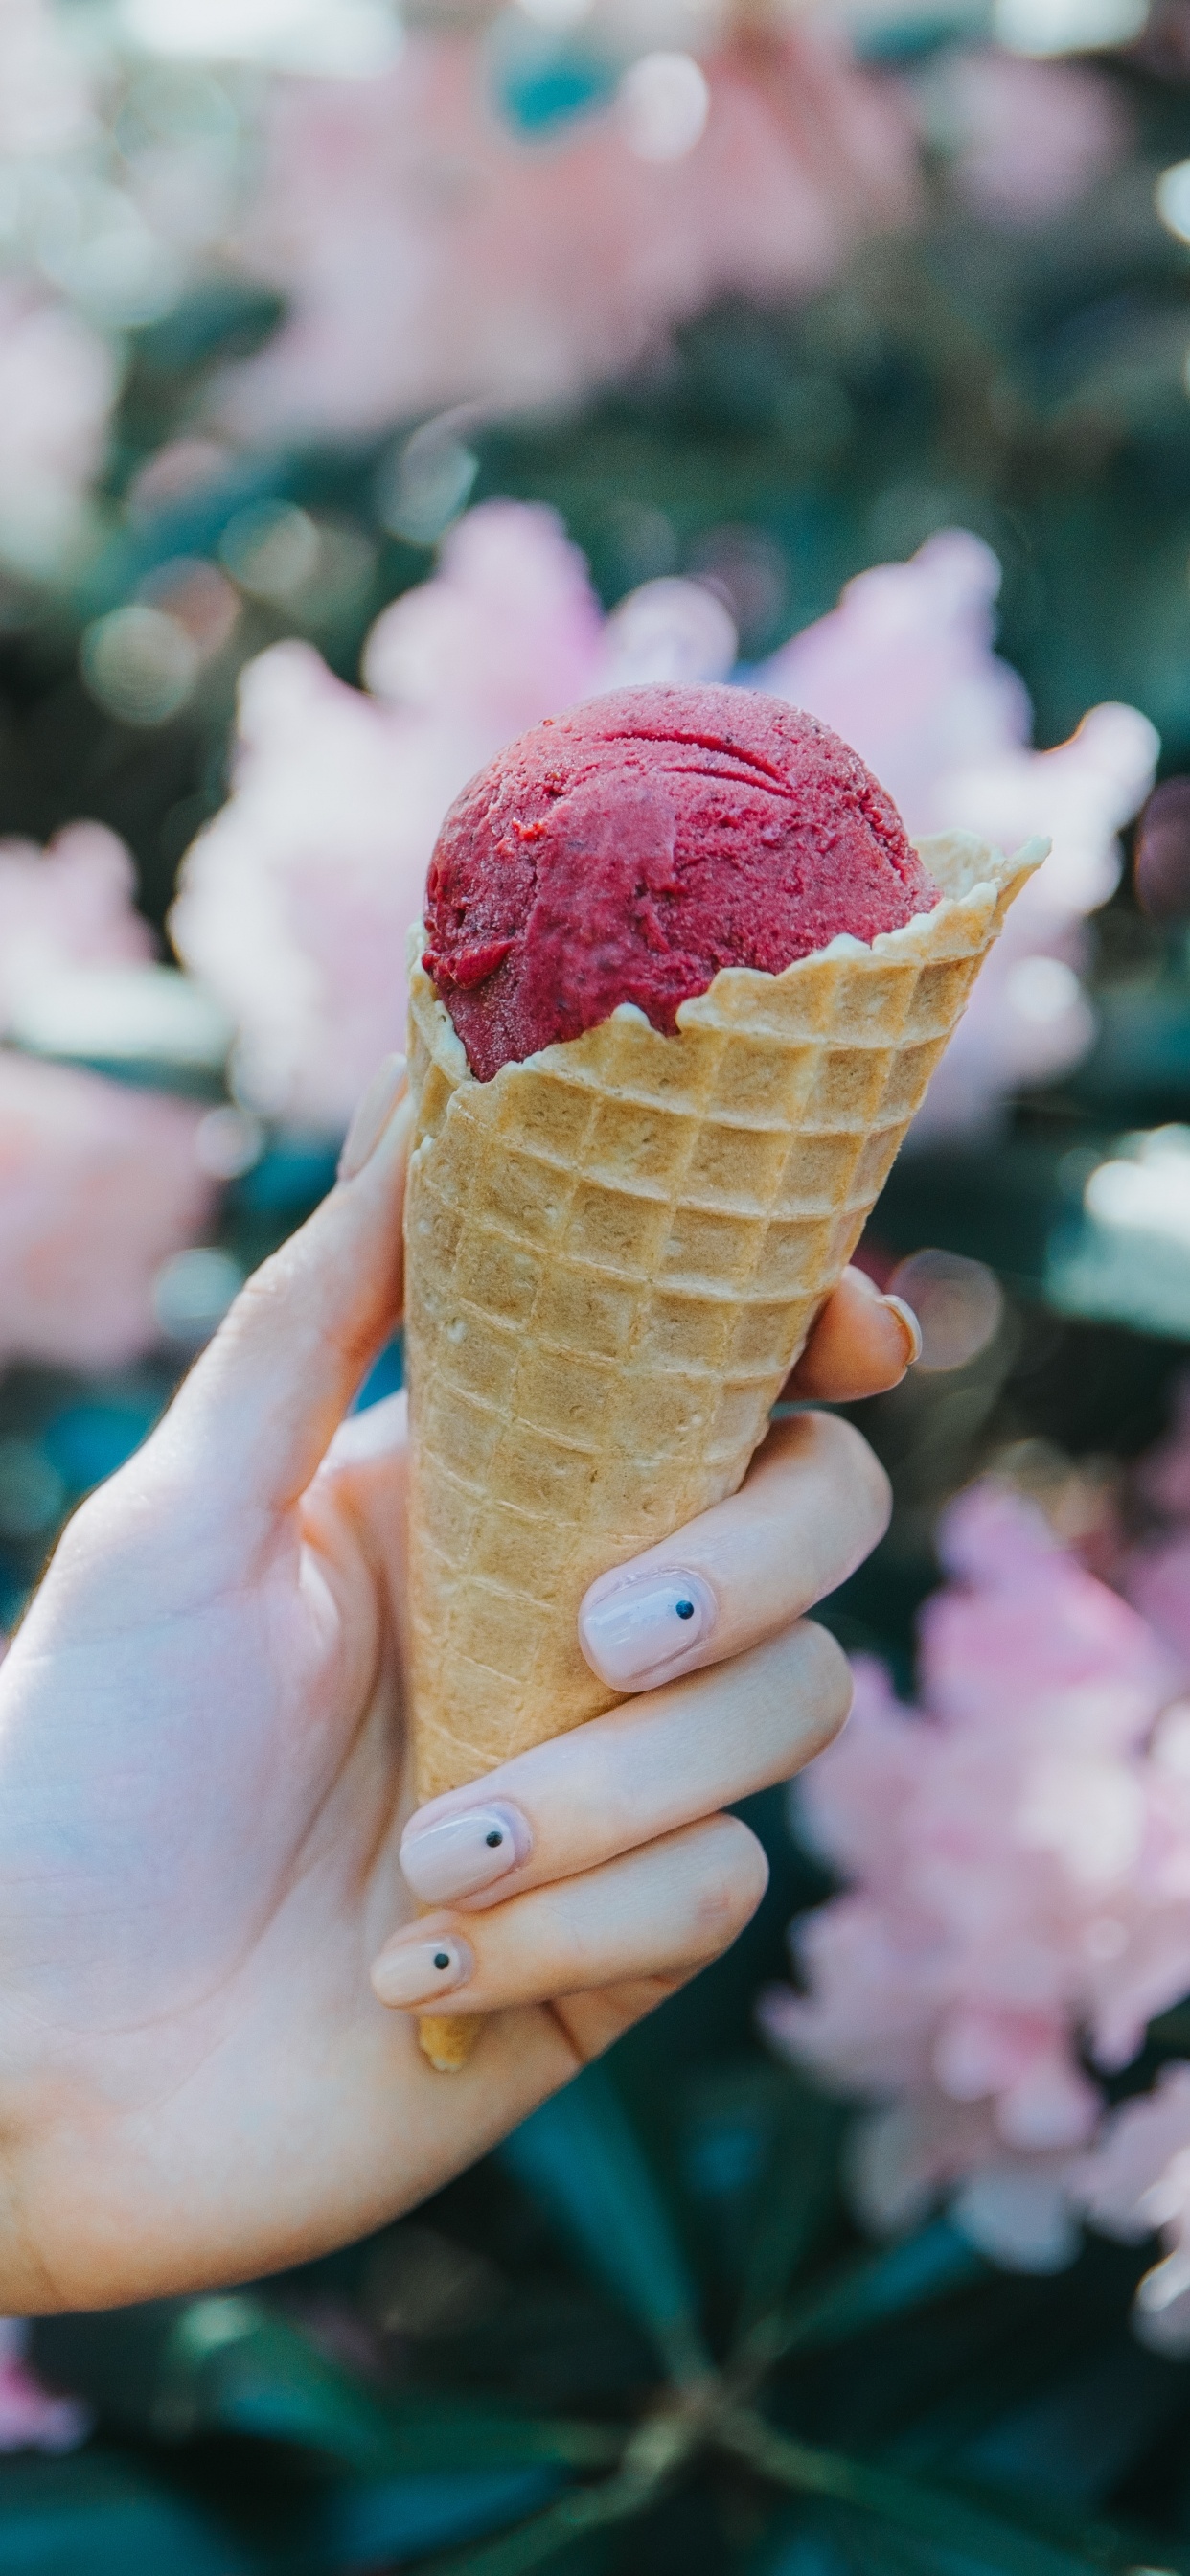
(414, 1972)
(646, 1626)
(458, 1855)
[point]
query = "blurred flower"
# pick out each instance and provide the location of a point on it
(1136, 2183)
(1018, 1852)
(904, 669)
(294, 903)
(431, 257)
(1162, 865)
(69, 905)
(57, 385)
(1026, 139)
(99, 1184)
(1155, 1574)
(45, 102)
(30, 2418)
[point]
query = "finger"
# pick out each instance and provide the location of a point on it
(644, 1771)
(257, 1412)
(861, 1344)
(661, 1911)
(812, 1506)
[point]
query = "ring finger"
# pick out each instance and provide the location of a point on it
(660, 1912)
(646, 1769)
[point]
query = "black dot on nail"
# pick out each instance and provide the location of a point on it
(442, 1958)
(493, 1841)
(685, 1609)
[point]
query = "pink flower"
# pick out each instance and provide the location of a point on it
(1135, 2183)
(903, 668)
(1028, 138)
(1017, 1854)
(431, 257)
(294, 903)
(1155, 1574)
(57, 385)
(99, 1183)
(30, 2418)
(45, 100)
(67, 906)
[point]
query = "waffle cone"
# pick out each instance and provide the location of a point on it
(615, 1252)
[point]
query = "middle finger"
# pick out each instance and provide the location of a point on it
(646, 1769)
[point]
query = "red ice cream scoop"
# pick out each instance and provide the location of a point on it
(628, 851)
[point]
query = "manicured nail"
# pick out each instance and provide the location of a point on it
(457, 1855)
(371, 1115)
(419, 1968)
(646, 1626)
(909, 1326)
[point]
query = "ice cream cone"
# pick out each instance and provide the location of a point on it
(615, 1252)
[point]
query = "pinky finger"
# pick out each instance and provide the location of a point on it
(656, 1913)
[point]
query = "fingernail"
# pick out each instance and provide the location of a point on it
(458, 1855)
(417, 1970)
(643, 1627)
(909, 1326)
(371, 1115)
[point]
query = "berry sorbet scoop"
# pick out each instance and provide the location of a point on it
(681, 986)
(627, 852)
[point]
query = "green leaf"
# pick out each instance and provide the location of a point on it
(989, 2534)
(102, 2514)
(581, 2159)
(796, 2194)
(230, 2364)
(871, 2290)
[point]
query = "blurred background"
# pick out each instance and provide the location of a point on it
(373, 383)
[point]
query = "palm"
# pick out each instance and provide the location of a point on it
(201, 1789)
(199, 1818)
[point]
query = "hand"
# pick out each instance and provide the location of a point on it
(202, 1794)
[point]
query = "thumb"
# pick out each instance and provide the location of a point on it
(252, 1422)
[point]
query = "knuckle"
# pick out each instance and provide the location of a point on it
(732, 1880)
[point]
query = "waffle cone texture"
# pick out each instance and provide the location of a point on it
(615, 1252)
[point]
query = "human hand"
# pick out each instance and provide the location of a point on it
(202, 1795)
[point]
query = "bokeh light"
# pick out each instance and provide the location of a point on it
(192, 1292)
(959, 1305)
(663, 103)
(1068, 26)
(139, 664)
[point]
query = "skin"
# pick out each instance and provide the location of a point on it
(202, 1791)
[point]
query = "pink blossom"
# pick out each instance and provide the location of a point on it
(294, 903)
(1135, 2182)
(1017, 1852)
(69, 905)
(903, 668)
(1155, 1573)
(57, 385)
(1027, 138)
(99, 1183)
(30, 2418)
(432, 257)
(45, 95)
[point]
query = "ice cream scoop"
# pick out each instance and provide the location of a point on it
(630, 850)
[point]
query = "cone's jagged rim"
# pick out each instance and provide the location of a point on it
(976, 881)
